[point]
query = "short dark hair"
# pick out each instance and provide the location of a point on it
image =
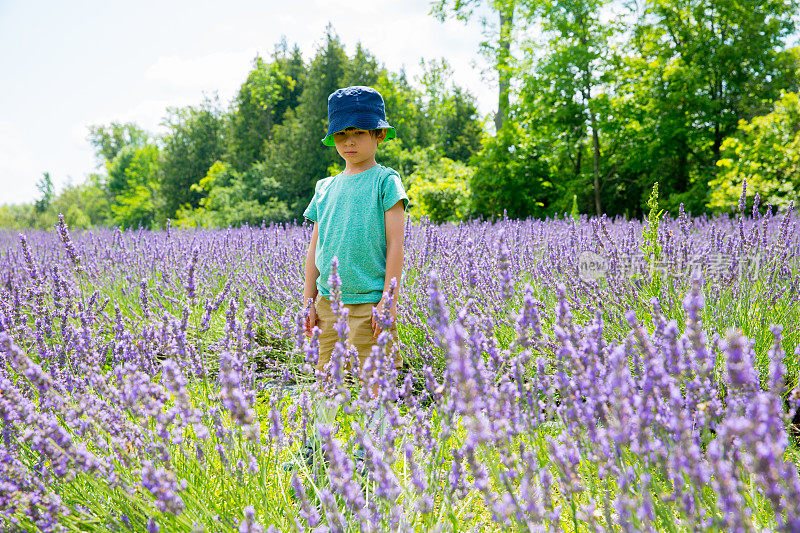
(373, 132)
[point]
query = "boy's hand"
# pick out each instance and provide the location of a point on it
(376, 327)
(311, 319)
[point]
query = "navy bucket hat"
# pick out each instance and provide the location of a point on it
(357, 106)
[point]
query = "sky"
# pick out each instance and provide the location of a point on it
(65, 66)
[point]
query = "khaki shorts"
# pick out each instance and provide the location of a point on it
(359, 320)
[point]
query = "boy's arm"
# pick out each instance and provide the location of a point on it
(394, 219)
(310, 284)
(312, 272)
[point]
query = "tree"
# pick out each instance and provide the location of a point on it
(440, 191)
(116, 168)
(89, 200)
(233, 199)
(46, 189)
(269, 91)
(361, 69)
(109, 140)
(577, 67)
(511, 176)
(296, 157)
(291, 65)
(708, 64)
(452, 125)
(17, 216)
(192, 145)
(766, 152)
(462, 130)
(498, 41)
(403, 111)
(558, 126)
(133, 178)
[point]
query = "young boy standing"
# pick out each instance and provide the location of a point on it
(359, 218)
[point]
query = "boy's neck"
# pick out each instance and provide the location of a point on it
(360, 167)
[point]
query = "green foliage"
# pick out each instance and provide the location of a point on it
(84, 205)
(268, 141)
(270, 90)
(575, 212)
(599, 101)
(705, 66)
(362, 69)
(498, 38)
(117, 169)
(570, 80)
(233, 199)
(394, 154)
(296, 157)
(404, 112)
(440, 191)
(76, 218)
(88, 198)
(46, 189)
(511, 177)
(17, 216)
(660, 88)
(109, 140)
(135, 187)
(766, 152)
(454, 127)
(190, 148)
(650, 245)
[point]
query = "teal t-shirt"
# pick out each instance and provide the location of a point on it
(349, 211)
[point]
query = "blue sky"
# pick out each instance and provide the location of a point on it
(68, 65)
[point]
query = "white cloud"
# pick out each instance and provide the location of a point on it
(19, 170)
(147, 114)
(220, 71)
(373, 7)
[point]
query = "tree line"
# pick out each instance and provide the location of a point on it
(597, 101)
(612, 97)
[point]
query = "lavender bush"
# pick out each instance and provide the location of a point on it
(560, 375)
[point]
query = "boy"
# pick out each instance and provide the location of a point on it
(359, 218)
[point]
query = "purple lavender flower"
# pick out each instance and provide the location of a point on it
(233, 396)
(756, 203)
(275, 417)
(66, 240)
(191, 291)
(504, 267)
(164, 487)
(307, 511)
(438, 311)
(685, 416)
(743, 197)
(336, 519)
(249, 524)
(31, 266)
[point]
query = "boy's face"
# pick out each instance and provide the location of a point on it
(357, 146)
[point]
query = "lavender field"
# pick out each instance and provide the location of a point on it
(559, 375)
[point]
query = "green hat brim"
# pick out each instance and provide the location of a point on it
(390, 134)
